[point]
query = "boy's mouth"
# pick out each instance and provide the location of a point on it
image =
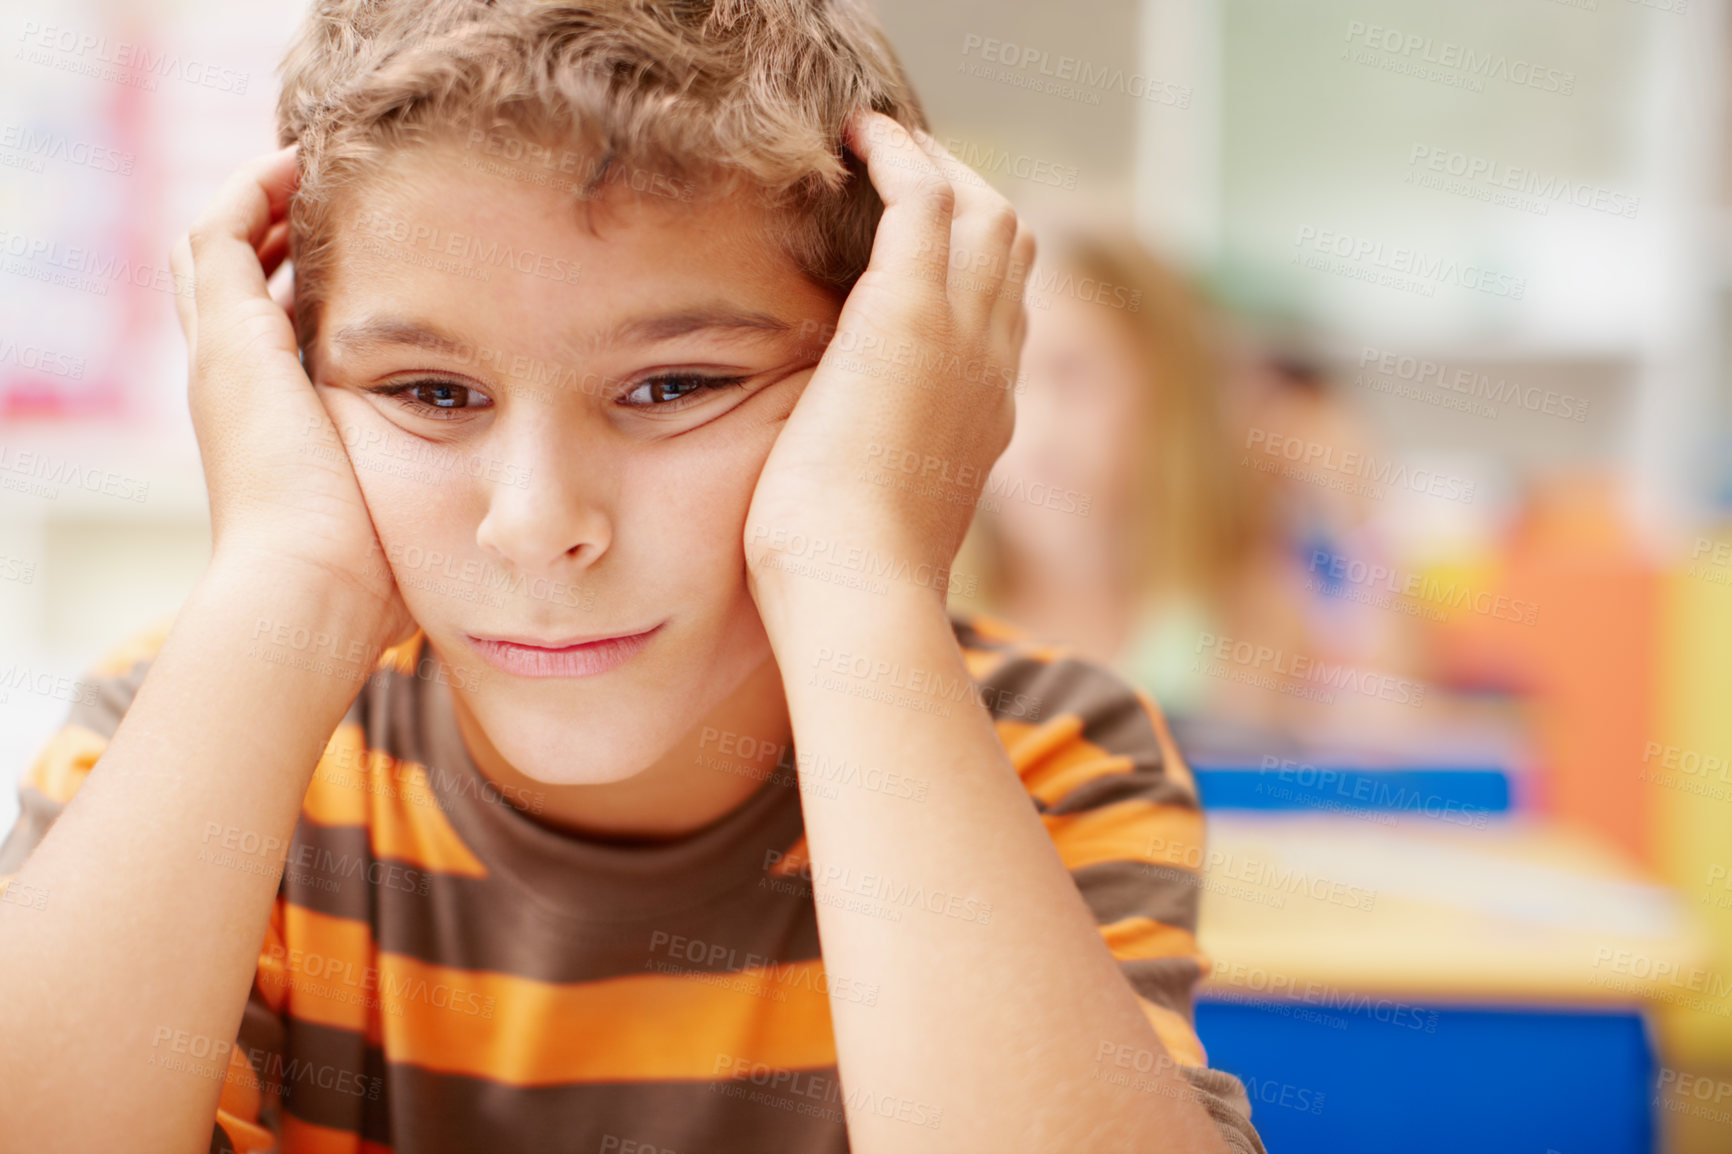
(583, 657)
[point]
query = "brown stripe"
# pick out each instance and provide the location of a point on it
(417, 913)
(459, 1115)
(101, 700)
(335, 1079)
(1115, 891)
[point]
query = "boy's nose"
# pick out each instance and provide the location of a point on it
(545, 512)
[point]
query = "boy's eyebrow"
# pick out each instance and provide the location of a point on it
(644, 330)
(396, 332)
(648, 330)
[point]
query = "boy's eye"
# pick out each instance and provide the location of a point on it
(669, 390)
(436, 397)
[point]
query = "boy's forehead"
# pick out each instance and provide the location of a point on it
(426, 185)
(437, 247)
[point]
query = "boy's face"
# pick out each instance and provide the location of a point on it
(581, 418)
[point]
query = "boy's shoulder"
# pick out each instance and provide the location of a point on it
(1048, 702)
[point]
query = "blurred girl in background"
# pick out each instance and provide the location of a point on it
(1167, 537)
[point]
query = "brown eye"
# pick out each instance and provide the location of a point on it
(669, 389)
(440, 394)
(435, 397)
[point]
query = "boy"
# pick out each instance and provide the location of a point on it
(570, 707)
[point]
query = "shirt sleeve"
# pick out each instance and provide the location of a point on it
(246, 1119)
(1121, 807)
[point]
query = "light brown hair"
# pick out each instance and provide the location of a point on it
(718, 95)
(1202, 518)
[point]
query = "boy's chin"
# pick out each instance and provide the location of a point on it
(557, 763)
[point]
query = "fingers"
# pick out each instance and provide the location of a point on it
(1008, 308)
(180, 263)
(225, 243)
(274, 249)
(982, 231)
(913, 238)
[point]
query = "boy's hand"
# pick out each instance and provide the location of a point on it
(887, 450)
(283, 495)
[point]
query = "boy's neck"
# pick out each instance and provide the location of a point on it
(693, 785)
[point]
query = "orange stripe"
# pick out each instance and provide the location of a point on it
(272, 975)
(792, 862)
(1133, 830)
(64, 762)
(302, 1137)
(141, 646)
(992, 628)
(409, 826)
(337, 795)
(330, 972)
(246, 1137)
(1053, 759)
(357, 786)
(402, 657)
(1141, 937)
(1177, 768)
(1175, 1034)
(980, 662)
(240, 1102)
(643, 1027)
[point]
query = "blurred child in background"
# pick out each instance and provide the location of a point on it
(1133, 405)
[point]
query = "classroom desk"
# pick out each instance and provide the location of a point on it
(1384, 982)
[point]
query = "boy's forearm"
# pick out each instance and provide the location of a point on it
(162, 870)
(990, 1023)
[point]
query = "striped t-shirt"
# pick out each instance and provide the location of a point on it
(444, 973)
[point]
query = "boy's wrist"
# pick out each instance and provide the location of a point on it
(808, 611)
(301, 613)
